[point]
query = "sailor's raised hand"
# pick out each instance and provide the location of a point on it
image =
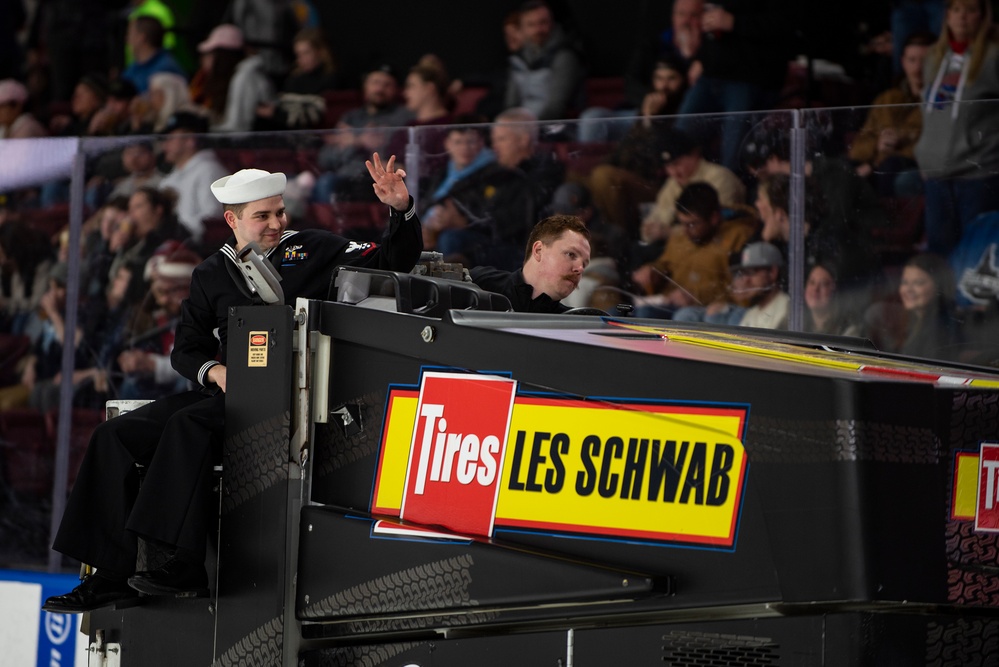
(389, 186)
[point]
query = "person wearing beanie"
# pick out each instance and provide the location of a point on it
(107, 510)
(145, 361)
(15, 122)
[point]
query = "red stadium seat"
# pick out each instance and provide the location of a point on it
(82, 425)
(468, 98)
(580, 158)
(338, 101)
(13, 348)
(27, 452)
(607, 92)
(904, 230)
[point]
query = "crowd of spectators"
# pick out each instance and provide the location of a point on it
(690, 213)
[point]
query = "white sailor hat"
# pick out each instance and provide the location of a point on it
(248, 185)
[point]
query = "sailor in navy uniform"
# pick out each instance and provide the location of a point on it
(178, 438)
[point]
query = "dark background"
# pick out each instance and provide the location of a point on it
(468, 35)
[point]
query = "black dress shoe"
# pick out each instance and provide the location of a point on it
(176, 577)
(93, 592)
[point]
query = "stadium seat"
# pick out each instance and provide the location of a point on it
(337, 102)
(468, 99)
(82, 425)
(13, 348)
(904, 230)
(27, 452)
(606, 92)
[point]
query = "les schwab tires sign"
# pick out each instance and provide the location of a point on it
(468, 454)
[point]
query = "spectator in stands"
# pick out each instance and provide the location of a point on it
(492, 226)
(693, 269)
(729, 309)
(145, 39)
(922, 322)
(381, 108)
(361, 131)
(632, 172)
(300, 103)
(121, 172)
(743, 58)
(958, 150)
(684, 165)
(428, 97)
(195, 168)
(15, 122)
(114, 117)
(468, 158)
(546, 75)
(841, 209)
(883, 148)
(557, 253)
(159, 10)
(153, 221)
(209, 86)
(26, 258)
(139, 160)
(773, 205)
(42, 373)
(145, 361)
(109, 233)
(769, 303)
(664, 60)
(250, 86)
(909, 17)
(514, 136)
(495, 79)
(88, 98)
(168, 93)
(824, 313)
(270, 26)
(669, 84)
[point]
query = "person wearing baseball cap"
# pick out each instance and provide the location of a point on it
(107, 510)
(760, 264)
(15, 122)
(683, 163)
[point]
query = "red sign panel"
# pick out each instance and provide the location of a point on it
(987, 511)
(456, 457)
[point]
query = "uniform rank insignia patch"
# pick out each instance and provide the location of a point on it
(294, 253)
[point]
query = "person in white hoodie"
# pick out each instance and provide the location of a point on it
(194, 170)
(250, 86)
(958, 149)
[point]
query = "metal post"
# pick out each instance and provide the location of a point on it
(68, 353)
(796, 244)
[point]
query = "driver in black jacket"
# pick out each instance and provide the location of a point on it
(557, 252)
(178, 438)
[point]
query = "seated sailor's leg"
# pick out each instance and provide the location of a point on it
(174, 503)
(93, 525)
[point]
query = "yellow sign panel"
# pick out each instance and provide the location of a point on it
(664, 472)
(965, 498)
